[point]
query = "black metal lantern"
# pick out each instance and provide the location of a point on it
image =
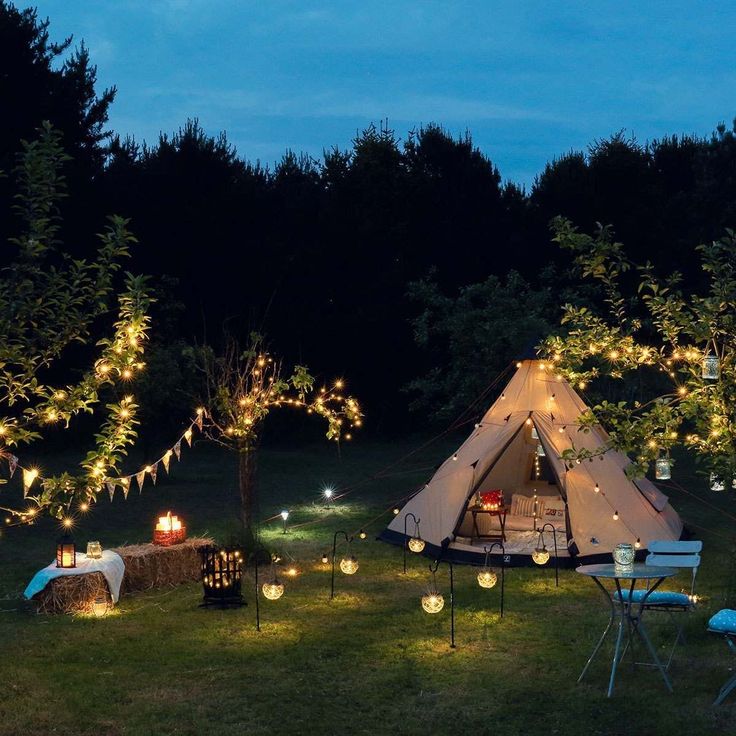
(66, 552)
(222, 571)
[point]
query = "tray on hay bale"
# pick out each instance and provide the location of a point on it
(153, 566)
(146, 566)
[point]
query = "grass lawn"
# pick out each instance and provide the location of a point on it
(369, 662)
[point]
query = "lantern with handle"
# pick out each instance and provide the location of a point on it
(66, 552)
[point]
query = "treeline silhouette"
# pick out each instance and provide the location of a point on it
(319, 254)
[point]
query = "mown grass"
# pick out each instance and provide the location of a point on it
(369, 662)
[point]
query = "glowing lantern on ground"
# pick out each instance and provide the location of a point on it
(66, 552)
(487, 578)
(433, 602)
(169, 530)
(349, 565)
(99, 607)
(222, 570)
(94, 550)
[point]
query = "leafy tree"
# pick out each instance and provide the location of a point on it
(473, 336)
(49, 303)
(45, 80)
(663, 331)
(243, 387)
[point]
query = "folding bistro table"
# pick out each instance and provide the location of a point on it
(629, 612)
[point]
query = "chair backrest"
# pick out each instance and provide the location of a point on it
(665, 553)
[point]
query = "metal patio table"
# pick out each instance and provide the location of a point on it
(630, 613)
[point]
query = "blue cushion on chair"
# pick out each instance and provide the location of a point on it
(724, 621)
(658, 597)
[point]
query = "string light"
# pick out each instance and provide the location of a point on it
(615, 515)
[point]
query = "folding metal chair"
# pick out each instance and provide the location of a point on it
(682, 555)
(724, 623)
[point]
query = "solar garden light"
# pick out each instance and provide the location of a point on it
(328, 493)
(348, 564)
(284, 517)
(487, 577)
(541, 553)
(416, 543)
(433, 602)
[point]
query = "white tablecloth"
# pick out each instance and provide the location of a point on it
(111, 565)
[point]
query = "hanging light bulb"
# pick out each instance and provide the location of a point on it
(615, 515)
(362, 534)
(597, 488)
(325, 559)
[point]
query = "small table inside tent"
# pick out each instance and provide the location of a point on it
(500, 512)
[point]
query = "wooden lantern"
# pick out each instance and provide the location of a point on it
(222, 570)
(66, 552)
(169, 530)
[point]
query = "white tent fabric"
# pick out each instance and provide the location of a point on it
(496, 453)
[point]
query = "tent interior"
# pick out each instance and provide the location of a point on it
(531, 494)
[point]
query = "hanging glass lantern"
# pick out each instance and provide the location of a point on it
(416, 543)
(711, 367)
(716, 483)
(662, 468)
(66, 552)
(349, 565)
(540, 554)
(433, 602)
(487, 578)
(540, 450)
(273, 590)
(535, 434)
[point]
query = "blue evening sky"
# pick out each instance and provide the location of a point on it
(529, 80)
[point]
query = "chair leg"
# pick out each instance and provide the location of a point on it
(731, 684)
(725, 690)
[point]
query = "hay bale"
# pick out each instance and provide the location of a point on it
(150, 566)
(146, 566)
(72, 593)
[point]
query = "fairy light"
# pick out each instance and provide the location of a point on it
(615, 515)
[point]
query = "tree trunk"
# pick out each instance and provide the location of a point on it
(247, 470)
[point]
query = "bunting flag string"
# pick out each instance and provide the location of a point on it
(30, 475)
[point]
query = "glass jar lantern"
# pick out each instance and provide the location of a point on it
(94, 550)
(716, 483)
(623, 557)
(662, 469)
(711, 369)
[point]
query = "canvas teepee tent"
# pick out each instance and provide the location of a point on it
(516, 448)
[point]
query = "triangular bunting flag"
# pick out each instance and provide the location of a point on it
(125, 483)
(177, 450)
(110, 488)
(188, 436)
(154, 472)
(12, 464)
(28, 477)
(140, 477)
(166, 459)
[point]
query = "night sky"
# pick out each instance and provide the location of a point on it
(530, 80)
